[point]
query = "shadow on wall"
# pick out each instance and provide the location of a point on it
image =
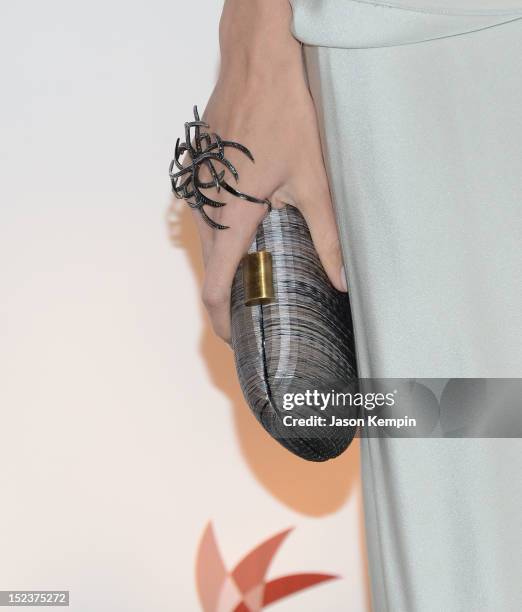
(313, 489)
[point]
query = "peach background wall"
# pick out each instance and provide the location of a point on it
(123, 428)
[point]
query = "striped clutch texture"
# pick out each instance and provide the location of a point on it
(302, 341)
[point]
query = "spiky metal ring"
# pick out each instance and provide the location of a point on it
(207, 150)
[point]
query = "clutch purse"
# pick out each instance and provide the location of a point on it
(291, 329)
(292, 334)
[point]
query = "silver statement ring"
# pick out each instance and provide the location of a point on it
(205, 150)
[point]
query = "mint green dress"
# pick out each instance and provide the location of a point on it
(420, 105)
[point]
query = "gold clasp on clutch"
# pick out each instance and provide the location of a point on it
(258, 282)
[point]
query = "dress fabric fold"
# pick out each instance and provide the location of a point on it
(359, 24)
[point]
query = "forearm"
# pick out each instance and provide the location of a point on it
(256, 40)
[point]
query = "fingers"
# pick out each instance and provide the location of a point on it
(318, 212)
(205, 236)
(228, 248)
(223, 249)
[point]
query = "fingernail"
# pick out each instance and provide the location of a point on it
(344, 285)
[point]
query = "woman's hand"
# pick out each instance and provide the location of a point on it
(261, 100)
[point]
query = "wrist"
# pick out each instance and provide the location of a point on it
(256, 40)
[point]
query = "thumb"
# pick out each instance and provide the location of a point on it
(320, 218)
